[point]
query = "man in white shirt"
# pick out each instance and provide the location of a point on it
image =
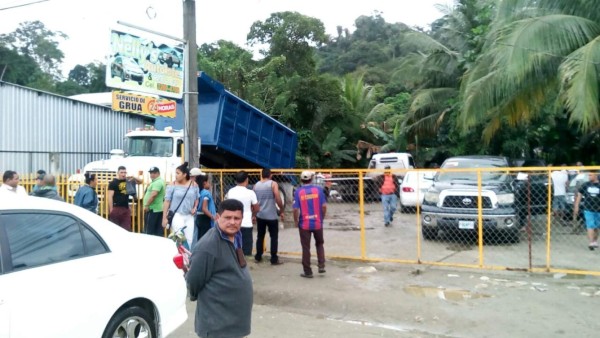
(251, 207)
(10, 184)
(560, 182)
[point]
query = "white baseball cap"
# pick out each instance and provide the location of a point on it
(306, 175)
(196, 172)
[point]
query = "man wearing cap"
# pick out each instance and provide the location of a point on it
(153, 203)
(39, 181)
(389, 189)
(310, 207)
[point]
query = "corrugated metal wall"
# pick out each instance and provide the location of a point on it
(40, 130)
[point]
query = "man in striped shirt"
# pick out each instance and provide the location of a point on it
(310, 207)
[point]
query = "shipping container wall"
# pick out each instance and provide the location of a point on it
(40, 130)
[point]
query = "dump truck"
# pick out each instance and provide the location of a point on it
(232, 134)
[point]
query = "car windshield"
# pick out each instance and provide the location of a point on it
(150, 146)
(486, 176)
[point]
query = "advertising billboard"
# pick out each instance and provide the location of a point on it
(145, 105)
(143, 65)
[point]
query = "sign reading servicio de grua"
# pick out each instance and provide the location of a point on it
(145, 105)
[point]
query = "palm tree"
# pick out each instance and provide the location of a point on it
(538, 53)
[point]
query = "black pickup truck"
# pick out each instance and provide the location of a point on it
(451, 204)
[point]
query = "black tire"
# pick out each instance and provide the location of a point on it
(134, 318)
(429, 233)
(122, 76)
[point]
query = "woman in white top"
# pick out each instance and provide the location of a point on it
(181, 197)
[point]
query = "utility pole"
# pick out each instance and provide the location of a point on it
(191, 86)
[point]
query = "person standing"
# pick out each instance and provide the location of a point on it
(153, 203)
(389, 189)
(118, 199)
(10, 185)
(560, 182)
(205, 220)
(48, 189)
(182, 199)
(267, 193)
(310, 207)
(219, 278)
(39, 180)
(251, 207)
(86, 196)
(590, 191)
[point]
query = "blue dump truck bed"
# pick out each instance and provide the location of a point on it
(233, 133)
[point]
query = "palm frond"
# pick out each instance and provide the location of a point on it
(537, 44)
(580, 80)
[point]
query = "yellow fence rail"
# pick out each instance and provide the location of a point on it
(485, 218)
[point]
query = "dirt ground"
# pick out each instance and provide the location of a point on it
(360, 299)
(388, 300)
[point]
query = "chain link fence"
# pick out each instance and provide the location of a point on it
(502, 218)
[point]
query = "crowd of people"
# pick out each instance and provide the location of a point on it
(220, 238)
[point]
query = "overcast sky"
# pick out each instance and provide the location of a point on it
(88, 22)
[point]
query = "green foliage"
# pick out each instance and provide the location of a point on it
(292, 35)
(33, 39)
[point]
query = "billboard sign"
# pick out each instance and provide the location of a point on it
(145, 105)
(143, 65)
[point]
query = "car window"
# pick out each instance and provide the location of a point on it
(36, 239)
(93, 245)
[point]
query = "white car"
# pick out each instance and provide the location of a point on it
(413, 188)
(66, 272)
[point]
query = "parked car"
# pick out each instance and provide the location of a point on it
(451, 203)
(531, 190)
(66, 272)
(126, 69)
(413, 188)
(169, 56)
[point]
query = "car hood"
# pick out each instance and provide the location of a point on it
(471, 185)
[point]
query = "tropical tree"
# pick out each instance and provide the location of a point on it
(36, 41)
(394, 141)
(292, 35)
(332, 152)
(541, 56)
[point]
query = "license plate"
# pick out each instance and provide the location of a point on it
(466, 224)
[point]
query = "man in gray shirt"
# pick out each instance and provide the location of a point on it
(267, 193)
(219, 278)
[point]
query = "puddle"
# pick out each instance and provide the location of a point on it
(443, 293)
(371, 324)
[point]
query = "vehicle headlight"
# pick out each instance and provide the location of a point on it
(432, 196)
(506, 199)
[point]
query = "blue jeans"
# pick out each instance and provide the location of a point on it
(389, 207)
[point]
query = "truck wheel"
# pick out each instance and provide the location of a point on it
(429, 233)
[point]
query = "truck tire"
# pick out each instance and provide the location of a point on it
(429, 233)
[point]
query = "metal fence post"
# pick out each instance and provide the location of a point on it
(479, 219)
(361, 208)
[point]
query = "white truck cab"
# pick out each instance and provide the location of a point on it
(144, 148)
(394, 160)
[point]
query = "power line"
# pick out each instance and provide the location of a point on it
(22, 5)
